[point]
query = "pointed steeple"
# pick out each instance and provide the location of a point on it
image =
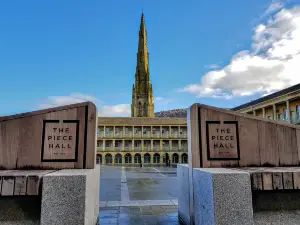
(143, 56)
(142, 96)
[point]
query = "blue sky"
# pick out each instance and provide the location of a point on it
(222, 53)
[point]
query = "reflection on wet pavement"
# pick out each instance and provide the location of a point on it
(145, 183)
(149, 195)
(152, 215)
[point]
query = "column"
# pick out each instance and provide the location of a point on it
(123, 145)
(264, 112)
(142, 145)
(170, 144)
(179, 145)
(151, 132)
(142, 131)
(288, 111)
(132, 131)
(179, 135)
(170, 134)
(160, 145)
(103, 147)
(132, 145)
(114, 131)
(274, 112)
(114, 145)
(151, 145)
(104, 133)
(113, 160)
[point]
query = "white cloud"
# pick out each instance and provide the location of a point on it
(121, 110)
(162, 100)
(273, 7)
(272, 64)
(212, 66)
(54, 101)
(105, 110)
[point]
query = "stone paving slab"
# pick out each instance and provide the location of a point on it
(104, 204)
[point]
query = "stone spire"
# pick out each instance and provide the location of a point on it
(142, 96)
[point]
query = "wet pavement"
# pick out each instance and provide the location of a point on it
(137, 196)
(144, 215)
(134, 183)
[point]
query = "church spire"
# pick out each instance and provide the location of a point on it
(142, 96)
(143, 56)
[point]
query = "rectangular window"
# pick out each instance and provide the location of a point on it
(145, 130)
(181, 131)
(98, 131)
(107, 130)
(98, 144)
(298, 112)
(286, 114)
(107, 145)
(163, 131)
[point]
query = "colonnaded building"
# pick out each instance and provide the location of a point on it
(142, 137)
(283, 106)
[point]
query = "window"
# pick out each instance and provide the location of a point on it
(181, 130)
(107, 145)
(98, 144)
(163, 131)
(286, 114)
(145, 130)
(107, 130)
(298, 112)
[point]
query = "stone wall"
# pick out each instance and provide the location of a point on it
(184, 193)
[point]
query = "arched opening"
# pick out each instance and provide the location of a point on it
(137, 158)
(99, 159)
(128, 158)
(175, 158)
(108, 158)
(184, 158)
(147, 158)
(156, 158)
(118, 158)
(140, 107)
(145, 109)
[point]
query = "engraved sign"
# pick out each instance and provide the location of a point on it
(60, 141)
(222, 140)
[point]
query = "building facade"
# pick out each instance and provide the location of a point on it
(142, 93)
(142, 138)
(283, 106)
(146, 140)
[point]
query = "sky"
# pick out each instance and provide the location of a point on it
(218, 52)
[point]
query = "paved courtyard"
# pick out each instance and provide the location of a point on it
(133, 195)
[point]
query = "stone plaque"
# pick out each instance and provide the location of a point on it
(60, 141)
(222, 140)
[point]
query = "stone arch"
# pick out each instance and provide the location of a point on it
(156, 158)
(137, 158)
(147, 158)
(99, 159)
(108, 158)
(118, 159)
(175, 158)
(184, 158)
(128, 158)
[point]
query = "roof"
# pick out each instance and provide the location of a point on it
(269, 97)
